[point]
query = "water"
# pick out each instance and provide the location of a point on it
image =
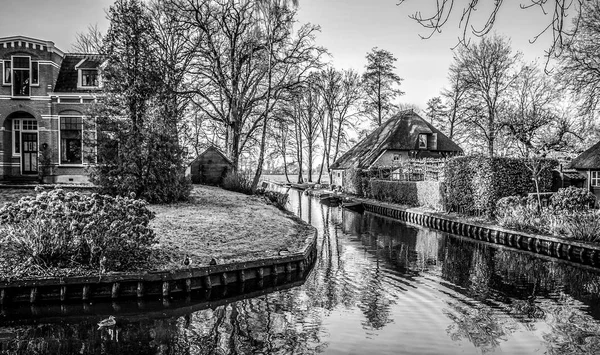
(378, 287)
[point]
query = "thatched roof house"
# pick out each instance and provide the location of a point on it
(405, 135)
(588, 165)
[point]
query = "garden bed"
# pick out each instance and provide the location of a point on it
(215, 223)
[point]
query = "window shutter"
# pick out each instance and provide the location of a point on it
(432, 142)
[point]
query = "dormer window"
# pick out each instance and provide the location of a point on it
(422, 141)
(89, 77)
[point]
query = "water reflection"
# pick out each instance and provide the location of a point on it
(379, 286)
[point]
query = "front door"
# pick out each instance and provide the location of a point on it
(29, 153)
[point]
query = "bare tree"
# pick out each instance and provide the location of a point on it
(88, 42)
(435, 111)
(559, 10)
(534, 122)
(580, 68)
(487, 70)
(454, 97)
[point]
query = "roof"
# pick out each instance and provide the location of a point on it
(67, 77)
(573, 175)
(400, 132)
(216, 150)
(590, 159)
(42, 43)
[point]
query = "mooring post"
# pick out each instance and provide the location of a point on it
(114, 294)
(188, 285)
(140, 289)
(242, 276)
(85, 294)
(33, 295)
(166, 289)
(2, 296)
(224, 279)
(63, 293)
(260, 273)
(207, 282)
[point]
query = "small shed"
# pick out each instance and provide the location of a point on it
(210, 167)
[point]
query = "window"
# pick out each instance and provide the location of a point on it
(19, 126)
(89, 77)
(35, 74)
(21, 76)
(16, 137)
(595, 178)
(6, 77)
(70, 140)
(396, 157)
(422, 141)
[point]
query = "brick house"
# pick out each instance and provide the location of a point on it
(44, 94)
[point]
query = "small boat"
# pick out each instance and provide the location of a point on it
(354, 206)
(330, 199)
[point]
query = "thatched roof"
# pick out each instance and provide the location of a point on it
(400, 132)
(590, 159)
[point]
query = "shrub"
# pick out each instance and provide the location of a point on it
(431, 194)
(583, 226)
(572, 198)
(402, 192)
(476, 183)
(69, 229)
(238, 181)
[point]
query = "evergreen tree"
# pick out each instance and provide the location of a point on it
(380, 84)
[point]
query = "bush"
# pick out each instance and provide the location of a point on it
(238, 181)
(58, 229)
(476, 183)
(583, 226)
(402, 192)
(572, 198)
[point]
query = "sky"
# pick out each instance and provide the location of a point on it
(349, 29)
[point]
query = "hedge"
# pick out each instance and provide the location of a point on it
(476, 183)
(411, 193)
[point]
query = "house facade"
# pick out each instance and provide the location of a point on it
(587, 164)
(44, 95)
(404, 136)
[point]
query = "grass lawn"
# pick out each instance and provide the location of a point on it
(225, 225)
(214, 223)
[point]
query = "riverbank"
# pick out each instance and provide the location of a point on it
(214, 224)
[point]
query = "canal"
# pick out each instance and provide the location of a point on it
(379, 286)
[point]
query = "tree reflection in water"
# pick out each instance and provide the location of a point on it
(377, 275)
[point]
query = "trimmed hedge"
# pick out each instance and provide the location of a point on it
(476, 183)
(411, 193)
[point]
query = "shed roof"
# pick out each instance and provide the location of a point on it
(590, 159)
(67, 77)
(400, 132)
(217, 150)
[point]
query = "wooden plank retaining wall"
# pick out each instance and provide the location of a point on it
(574, 251)
(163, 283)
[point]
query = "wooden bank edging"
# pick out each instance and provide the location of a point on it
(159, 283)
(579, 252)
